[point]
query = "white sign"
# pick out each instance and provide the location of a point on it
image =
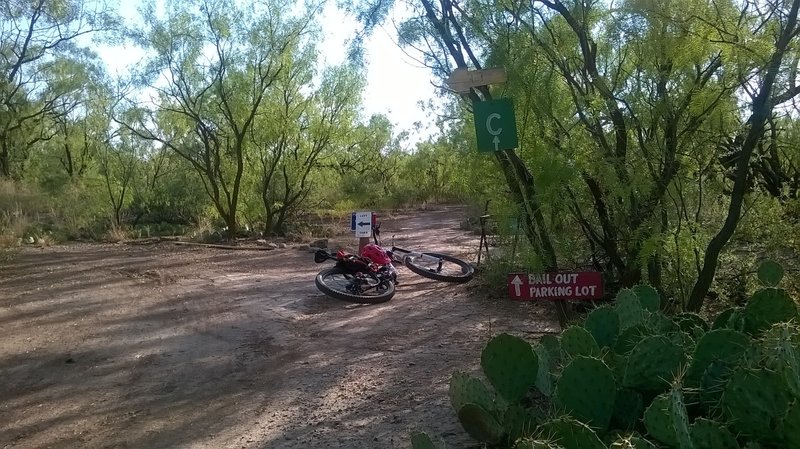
(363, 224)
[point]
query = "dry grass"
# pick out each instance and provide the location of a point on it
(116, 234)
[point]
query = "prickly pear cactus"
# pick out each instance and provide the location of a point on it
(632, 442)
(767, 307)
(421, 440)
(519, 422)
(770, 273)
(791, 425)
(649, 297)
(629, 308)
(469, 390)
(603, 324)
(481, 424)
(628, 409)
(577, 341)
(630, 337)
(653, 363)
(756, 400)
(680, 418)
(721, 321)
(717, 345)
(510, 365)
(536, 444)
(692, 323)
(570, 434)
(781, 351)
(713, 382)
(708, 434)
(660, 324)
(586, 390)
(659, 422)
(544, 376)
(553, 347)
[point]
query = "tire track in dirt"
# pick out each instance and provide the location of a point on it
(194, 347)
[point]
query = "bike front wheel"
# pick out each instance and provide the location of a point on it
(440, 267)
(339, 284)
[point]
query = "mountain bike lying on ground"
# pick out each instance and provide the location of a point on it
(371, 277)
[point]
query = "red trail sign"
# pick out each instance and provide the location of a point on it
(578, 285)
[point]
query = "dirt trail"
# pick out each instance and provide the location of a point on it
(162, 346)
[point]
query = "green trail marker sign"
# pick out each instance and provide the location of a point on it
(495, 125)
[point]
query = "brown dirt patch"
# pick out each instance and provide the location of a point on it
(115, 346)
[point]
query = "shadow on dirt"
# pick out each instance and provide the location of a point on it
(162, 346)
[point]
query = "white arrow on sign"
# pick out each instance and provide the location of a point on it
(516, 282)
(461, 80)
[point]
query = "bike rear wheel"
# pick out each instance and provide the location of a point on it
(339, 284)
(440, 267)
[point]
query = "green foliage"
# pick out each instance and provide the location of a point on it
(725, 390)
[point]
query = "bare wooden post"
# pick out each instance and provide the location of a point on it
(362, 242)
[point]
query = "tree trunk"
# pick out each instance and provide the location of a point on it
(761, 111)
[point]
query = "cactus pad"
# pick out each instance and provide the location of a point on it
(571, 434)
(519, 422)
(631, 442)
(707, 434)
(781, 353)
(629, 309)
(680, 418)
(421, 440)
(544, 376)
(713, 382)
(553, 347)
(587, 391)
(770, 273)
(577, 341)
(767, 307)
(721, 321)
(688, 321)
(603, 324)
(469, 390)
(791, 425)
(628, 409)
(536, 444)
(658, 421)
(480, 424)
(510, 365)
(653, 363)
(720, 344)
(755, 400)
(649, 297)
(630, 337)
